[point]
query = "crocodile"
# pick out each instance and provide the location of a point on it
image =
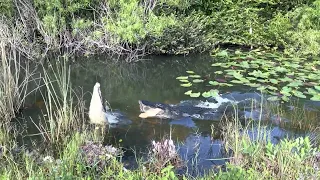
(204, 110)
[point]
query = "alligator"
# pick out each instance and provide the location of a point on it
(103, 115)
(204, 110)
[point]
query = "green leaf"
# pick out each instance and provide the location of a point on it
(273, 98)
(285, 98)
(299, 94)
(286, 91)
(251, 78)
(274, 81)
(245, 64)
(183, 80)
(262, 80)
(237, 52)
(316, 97)
(182, 77)
(237, 75)
(225, 84)
(186, 85)
(272, 88)
(244, 80)
(286, 79)
(312, 91)
(261, 88)
(253, 84)
(313, 76)
(195, 76)
(317, 88)
(236, 82)
(190, 72)
(214, 83)
(280, 69)
(222, 53)
(197, 80)
(216, 64)
(295, 83)
(195, 94)
(188, 92)
(211, 93)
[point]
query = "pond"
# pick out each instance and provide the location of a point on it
(154, 79)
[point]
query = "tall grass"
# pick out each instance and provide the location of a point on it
(256, 157)
(14, 81)
(64, 113)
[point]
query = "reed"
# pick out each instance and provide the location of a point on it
(64, 112)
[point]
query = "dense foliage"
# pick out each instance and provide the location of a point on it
(170, 26)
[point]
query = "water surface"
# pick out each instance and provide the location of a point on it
(154, 79)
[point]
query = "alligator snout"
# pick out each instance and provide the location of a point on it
(150, 110)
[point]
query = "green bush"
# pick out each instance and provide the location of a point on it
(131, 22)
(175, 26)
(304, 37)
(6, 8)
(59, 15)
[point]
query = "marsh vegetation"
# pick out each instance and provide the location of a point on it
(53, 52)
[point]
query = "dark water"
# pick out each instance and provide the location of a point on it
(154, 79)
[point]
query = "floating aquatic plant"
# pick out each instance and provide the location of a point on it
(280, 76)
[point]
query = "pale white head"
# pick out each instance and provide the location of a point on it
(97, 112)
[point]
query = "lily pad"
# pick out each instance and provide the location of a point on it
(261, 88)
(197, 80)
(195, 76)
(211, 93)
(316, 97)
(186, 85)
(236, 82)
(226, 84)
(245, 64)
(253, 84)
(285, 98)
(299, 94)
(188, 92)
(286, 91)
(274, 81)
(286, 79)
(216, 64)
(273, 98)
(280, 69)
(317, 88)
(223, 53)
(312, 91)
(295, 83)
(183, 80)
(213, 83)
(195, 95)
(272, 88)
(190, 72)
(182, 77)
(251, 78)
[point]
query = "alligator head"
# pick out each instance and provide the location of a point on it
(154, 110)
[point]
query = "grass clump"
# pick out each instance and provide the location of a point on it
(257, 157)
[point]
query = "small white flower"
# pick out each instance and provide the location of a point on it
(48, 159)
